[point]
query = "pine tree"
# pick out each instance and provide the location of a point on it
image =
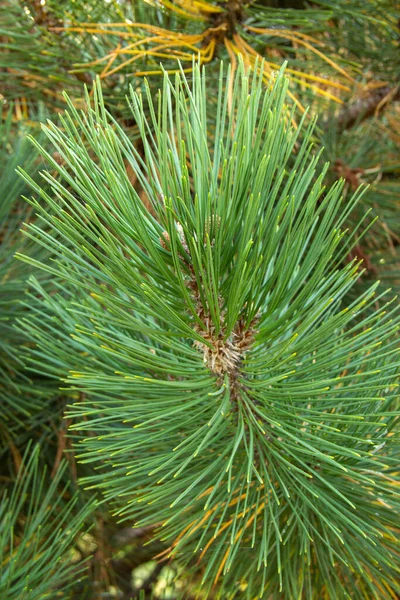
(193, 246)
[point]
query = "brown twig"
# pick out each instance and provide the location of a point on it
(366, 107)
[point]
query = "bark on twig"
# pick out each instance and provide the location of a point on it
(366, 107)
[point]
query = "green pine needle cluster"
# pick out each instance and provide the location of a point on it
(21, 398)
(231, 392)
(38, 526)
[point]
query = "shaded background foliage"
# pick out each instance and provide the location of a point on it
(343, 62)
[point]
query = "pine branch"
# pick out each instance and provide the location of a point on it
(239, 402)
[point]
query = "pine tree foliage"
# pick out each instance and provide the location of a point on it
(332, 48)
(367, 154)
(21, 398)
(334, 54)
(252, 29)
(38, 527)
(337, 52)
(35, 61)
(29, 58)
(232, 394)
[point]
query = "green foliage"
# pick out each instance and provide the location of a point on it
(332, 48)
(21, 398)
(367, 155)
(39, 524)
(30, 61)
(230, 393)
(199, 258)
(36, 61)
(362, 28)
